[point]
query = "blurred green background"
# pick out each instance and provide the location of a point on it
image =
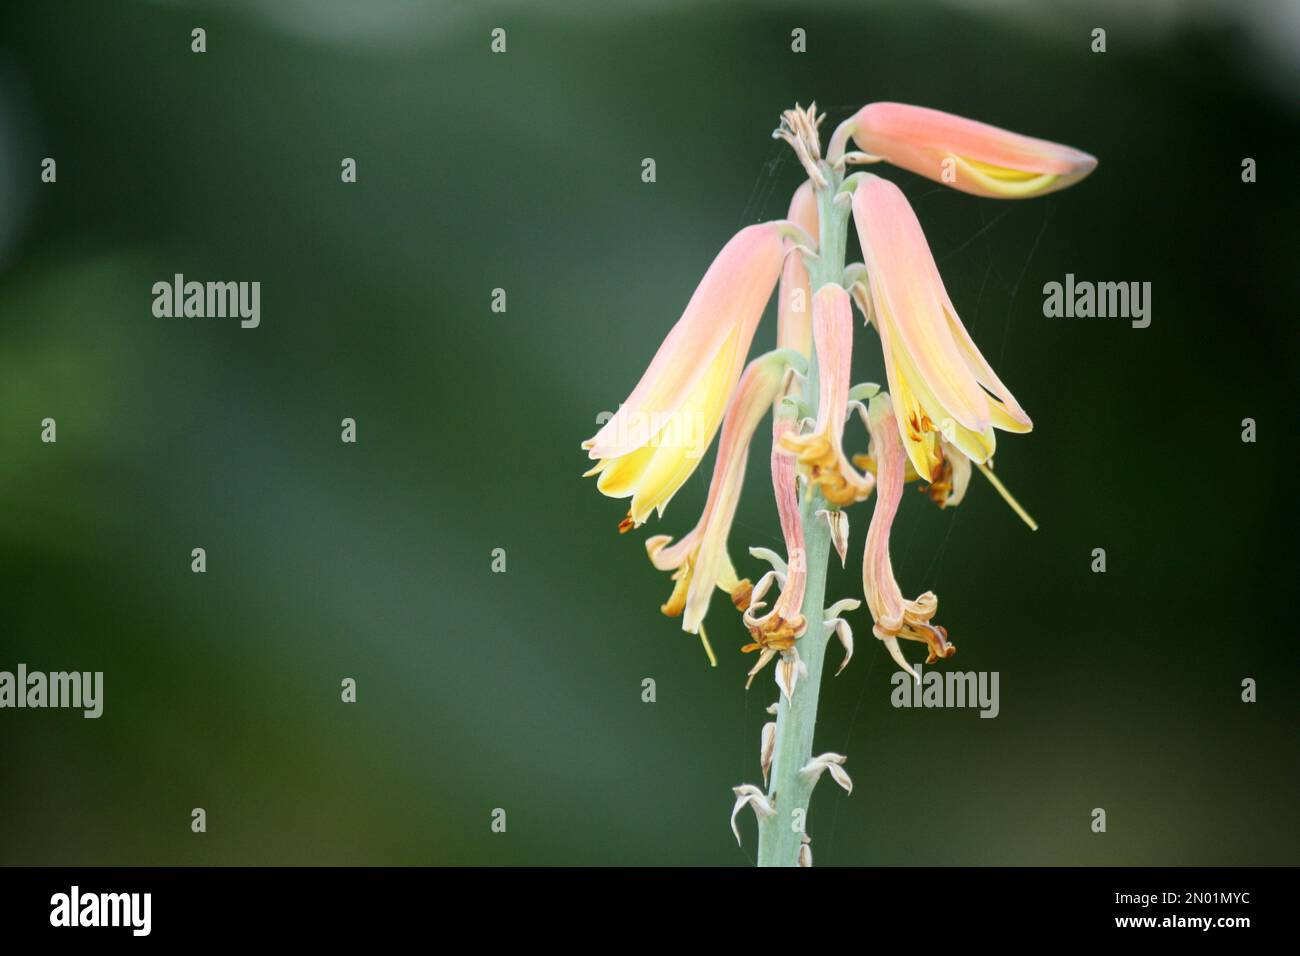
(523, 690)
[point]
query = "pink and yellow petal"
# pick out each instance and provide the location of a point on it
(968, 155)
(906, 294)
(729, 301)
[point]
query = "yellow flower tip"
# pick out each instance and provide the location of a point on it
(1002, 181)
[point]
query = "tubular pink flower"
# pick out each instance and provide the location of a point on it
(656, 439)
(794, 308)
(700, 559)
(941, 384)
(894, 616)
(778, 629)
(820, 453)
(968, 155)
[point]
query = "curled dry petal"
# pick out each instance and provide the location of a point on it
(772, 558)
(845, 634)
(832, 762)
(841, 628)
(843, 604)
(749, 794)
(838, 522)
(762, 587)
(779, 628)
(788, 671)
(858, 283)
(841, 776)
(766, 748)
(764, 658)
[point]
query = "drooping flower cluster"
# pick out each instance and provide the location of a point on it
(938, 418)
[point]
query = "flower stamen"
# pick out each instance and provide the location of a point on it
(1001, 489)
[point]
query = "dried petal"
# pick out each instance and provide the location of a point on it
(841, 627)
(767, 747)
(832, 762)
(838, 521)
(749, 794)
(788, 671)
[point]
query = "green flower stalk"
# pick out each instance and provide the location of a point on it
(934, 423)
